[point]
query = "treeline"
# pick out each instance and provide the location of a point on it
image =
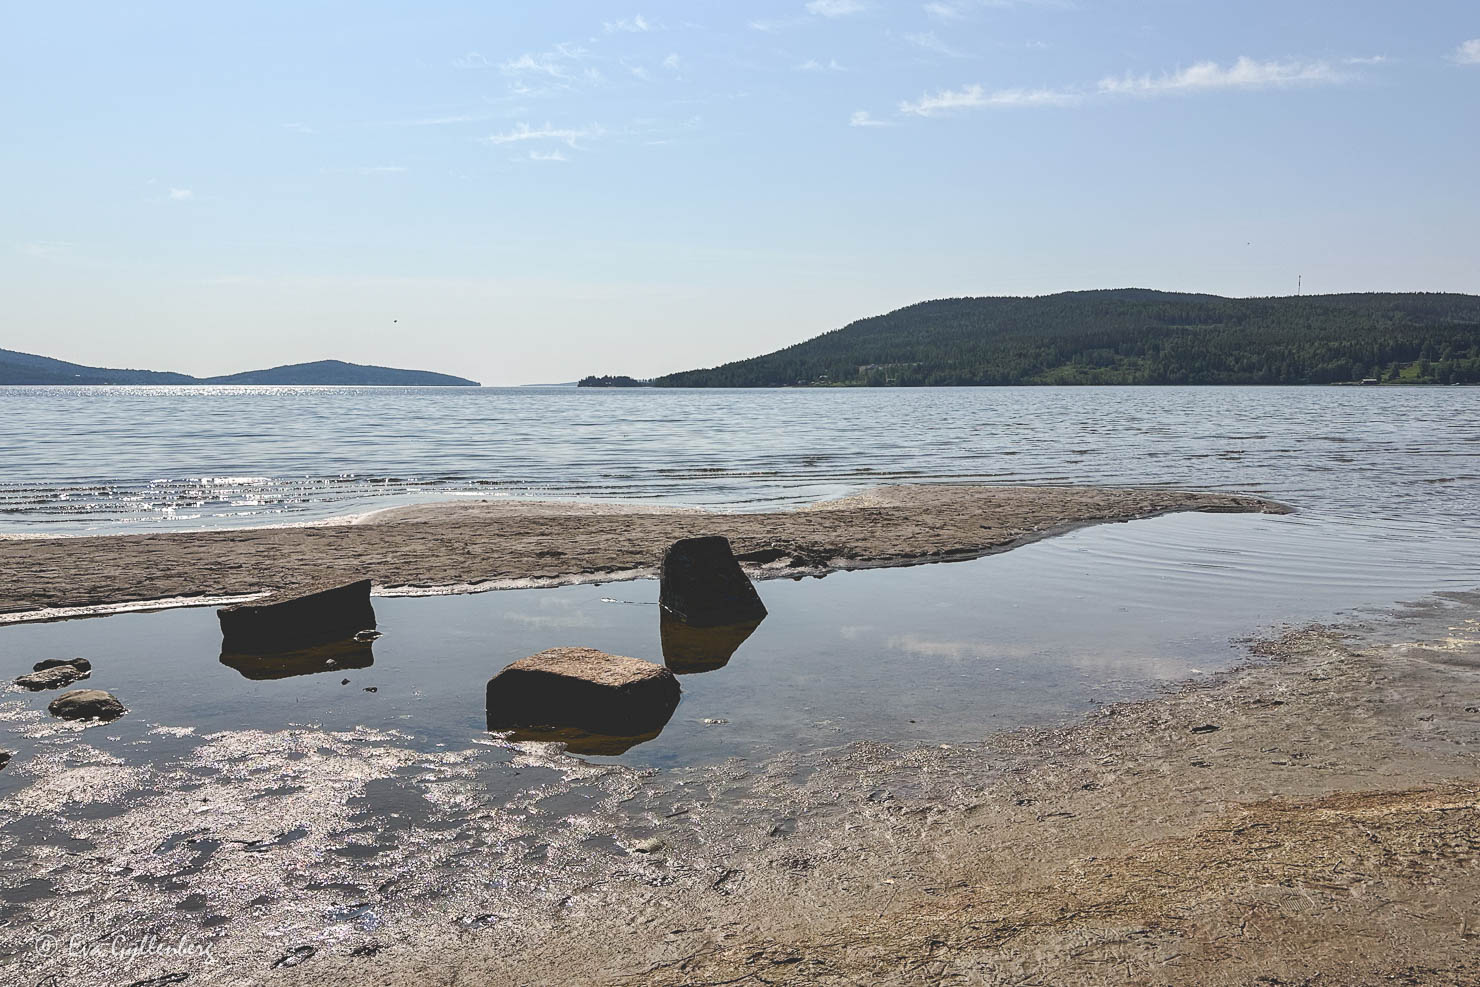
(1132, 336)
(610, 381)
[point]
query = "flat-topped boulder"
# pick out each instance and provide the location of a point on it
(311, 614)
(702, 585)
(54, 677)
(86, 704)
(583, 688)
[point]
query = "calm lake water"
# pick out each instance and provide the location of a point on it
(79, 460)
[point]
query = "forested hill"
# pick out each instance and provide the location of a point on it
(27, 368)
(1132, 336)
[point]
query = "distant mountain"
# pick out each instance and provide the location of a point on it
(25, 368)
(343, 374)
(1132, 336)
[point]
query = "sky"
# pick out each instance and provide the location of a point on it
(531, 192)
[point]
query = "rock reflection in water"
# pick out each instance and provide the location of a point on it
(688, 650)
(306, 661)
(576, 740)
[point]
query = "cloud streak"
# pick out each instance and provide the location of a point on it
(1245, 73)
(570, 136)
(974, 97)
(1468, 53)
(836, 8)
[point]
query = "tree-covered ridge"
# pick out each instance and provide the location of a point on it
(1132, 336)
(617, 380)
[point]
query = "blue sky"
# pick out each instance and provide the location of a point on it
(532, 192)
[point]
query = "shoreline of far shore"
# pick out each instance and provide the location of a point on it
(470, 546)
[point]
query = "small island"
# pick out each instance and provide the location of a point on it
(612, 381)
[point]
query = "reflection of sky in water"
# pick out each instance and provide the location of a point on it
(928, 654)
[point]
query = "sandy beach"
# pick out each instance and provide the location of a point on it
(468, 545)
(1310, 818)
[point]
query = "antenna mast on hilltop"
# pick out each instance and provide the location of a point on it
(1299, 284)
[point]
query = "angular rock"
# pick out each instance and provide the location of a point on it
(582, 688)
(86, 704)
(702, 585)
(81, 663)
(4, 758)
(303, 661)
(54, 677)
(688, 650)
(298, 618)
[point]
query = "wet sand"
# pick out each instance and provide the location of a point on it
(468, 545)
(1312, 818)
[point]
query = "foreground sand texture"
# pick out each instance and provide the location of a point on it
(1327, 832)
(471, 544)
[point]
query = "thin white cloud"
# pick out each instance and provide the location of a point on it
(381, 170)
(181, 194)
(44, 248)
(547, 156)
(930, 42)
(977, 97)
(635, 24)
(1246, 73)
(472, 60)
(836, 8)
(671, 63)
(299, 128)
(813, 65)
(862, 118)
(1468, 53)
(944, 11)
(558, 63)
(1365, 60)
(570, 136)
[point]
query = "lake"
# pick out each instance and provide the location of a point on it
(111, 459)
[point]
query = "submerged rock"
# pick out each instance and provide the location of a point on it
(86, 704)
(688, 650)
(54, 677)
(578, 741)
(298, 618)
(702, 585)
(81, 663)
(583, 688)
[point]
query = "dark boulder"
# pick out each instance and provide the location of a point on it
(86, 704)
(4, 758)
(688, 649)
(582, 688)
(702, 585)
(54, 677)
(298, 618)
(303, 661)
(81, 663)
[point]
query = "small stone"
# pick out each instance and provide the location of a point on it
(344, 681)
(295, 956)
(1207, 728)
(372, 688)
(5, 757)
(648, 846)
(81, 663)
(366, 636)
(86, 704)
(52, 678)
